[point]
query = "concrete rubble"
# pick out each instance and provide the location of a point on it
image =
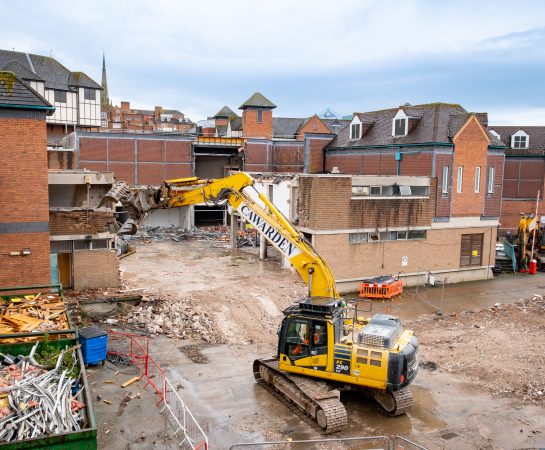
(180, 319)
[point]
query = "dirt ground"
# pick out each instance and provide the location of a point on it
(481, 382)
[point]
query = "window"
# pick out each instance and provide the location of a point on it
(375, 190)
(459, 181)
(60, 96)
(355, 131)
(117, 118)
(259, 116)
(103, 115)
(477, 179)
(315, 125)
(357, 238)
(104, 124)
(444, 187)
(491, 180)
(520, 141)
(89, 94)
(319, 338)
(401, 235)
(416, 234)
(297, 338)
(399, 127)
(471, 250)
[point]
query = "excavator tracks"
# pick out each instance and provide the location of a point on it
(395, 403)
(316, 399)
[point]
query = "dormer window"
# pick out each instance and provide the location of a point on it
(519, 140)
(495, 134)
(399, 124)
(355, 128)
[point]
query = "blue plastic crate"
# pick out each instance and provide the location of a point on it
(94, 343)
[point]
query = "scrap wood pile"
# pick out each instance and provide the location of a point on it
(38, 401)
(33, 313)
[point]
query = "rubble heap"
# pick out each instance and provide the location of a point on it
(179, 319)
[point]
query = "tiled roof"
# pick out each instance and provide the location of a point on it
(236, 123)
(286, 127)
(335, 125)
(48, 69)
(225, 112)
(433, 122)
(536, 139)
(16, 94)
(21, 71)
(257, 100)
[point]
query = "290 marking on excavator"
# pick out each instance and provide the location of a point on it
(271, 233)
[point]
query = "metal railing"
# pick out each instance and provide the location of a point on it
(135, 347)
(360, 442)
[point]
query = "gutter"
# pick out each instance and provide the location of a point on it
(42, 108)
(424, 144)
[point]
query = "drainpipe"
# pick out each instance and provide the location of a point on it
(398, 156)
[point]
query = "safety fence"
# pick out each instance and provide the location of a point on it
(361, 442)
(135, 348)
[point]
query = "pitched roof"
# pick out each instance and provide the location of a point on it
(48, 69)
(224, 112)
(236, 123)
(432, 122)
(257, 100)
(21, 71)
(335, 125)
(536, 139)
(286, 126)
(16, 94)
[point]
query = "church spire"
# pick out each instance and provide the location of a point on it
(104, 97)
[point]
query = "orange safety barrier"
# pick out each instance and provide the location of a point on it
(370, 290)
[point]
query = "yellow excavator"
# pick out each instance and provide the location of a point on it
(323, 348)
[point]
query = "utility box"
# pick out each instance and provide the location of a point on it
(94, 343)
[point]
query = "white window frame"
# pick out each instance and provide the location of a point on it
(460, 179)
(399, 116)
(491, 175)
(444, 184)
(355, 121)
(477, 179)
(520, 134)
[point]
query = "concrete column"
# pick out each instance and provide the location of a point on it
(262, 247)
(234, 227)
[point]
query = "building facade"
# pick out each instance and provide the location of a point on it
(24, 226)
(75, 96)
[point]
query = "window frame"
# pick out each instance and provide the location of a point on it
(400, 119)
(355, 136)
(460, 179)
(86, 94)
(491, 176)
(259, 116)
(477, 179)
(444, 181)
(62, 94)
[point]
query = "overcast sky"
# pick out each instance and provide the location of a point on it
(303, 55)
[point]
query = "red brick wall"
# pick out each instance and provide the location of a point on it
(316, 154)
(255, 156)
(24, 198)
(523, 177)
(156, 159)
(443, 200)
(470, 151)
(24, 270)
(80, 222)
(314, 125)
(493, 201)
(251, 128)
(416, 164)
(288, 158)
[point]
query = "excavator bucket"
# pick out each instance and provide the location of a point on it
(137, 203)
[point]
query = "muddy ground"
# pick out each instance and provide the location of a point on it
(481, 382)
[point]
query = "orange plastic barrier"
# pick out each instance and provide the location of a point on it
(370, 290)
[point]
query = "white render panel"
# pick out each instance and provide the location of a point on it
(89, 109)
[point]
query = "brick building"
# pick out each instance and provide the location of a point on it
(82, 231)
(524, 173)
(24, 227)
(75, 96)
(386, 152)
(126, 119)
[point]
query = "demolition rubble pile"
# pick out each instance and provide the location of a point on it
(499, 348)
(246, 237)
(33, 313)
(181, 319)
(36, 402)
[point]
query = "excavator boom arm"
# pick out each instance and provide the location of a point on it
(269, 221)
